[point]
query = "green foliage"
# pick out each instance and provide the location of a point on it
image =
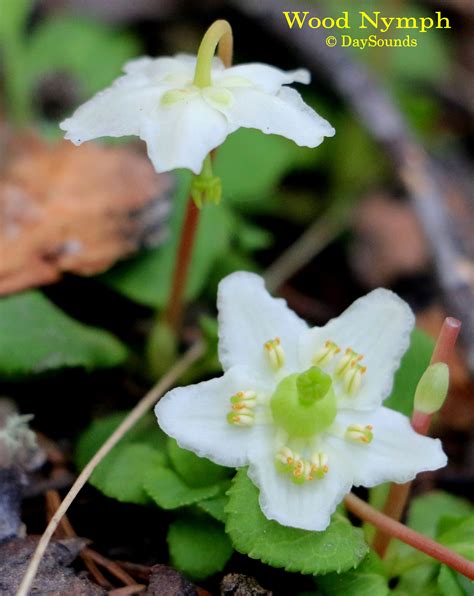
(121, 473)
(448, 583)
(36, 337)
(413, 365)
(14, 16)
(197, 471)
(198, 547)
(441, 516)
(338, 548)
(368, 579)
(169, 491)
(215, 507)
(92, 52)
(251, 164)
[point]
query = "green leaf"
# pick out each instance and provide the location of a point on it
(215, 507)
(122, 472)
(198, 547)
(427, 511)
(147, 278)
(251, 164)
(169, 491)
(195, 471)
(13, 17)
(36, 337)
(338, 548)
(448, 583)
(413, 365)
(367, 579)
(87, 49)
(460, 537)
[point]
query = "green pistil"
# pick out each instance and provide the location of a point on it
(304, 404)
(219, 32)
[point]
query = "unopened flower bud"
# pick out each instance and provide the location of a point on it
(432, 388)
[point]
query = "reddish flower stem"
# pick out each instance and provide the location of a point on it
(398, 495)
(422, 543)
(174, 310)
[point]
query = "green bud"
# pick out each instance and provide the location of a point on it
(432, 388)
(304, 404)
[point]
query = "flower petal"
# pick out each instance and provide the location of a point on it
(378, 326)
(396, 454)
(265, 77)
(196, 416)
(182, 134)
(248, 317)
(308, 506)
(114, 112)
(283, 114)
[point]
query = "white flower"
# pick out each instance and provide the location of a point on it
(302, 407)
(181, 123)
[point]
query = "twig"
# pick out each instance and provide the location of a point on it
(128, 590)
(425, 180)
(397, 497)
(145, 404)
(320, 233)
(397, 530)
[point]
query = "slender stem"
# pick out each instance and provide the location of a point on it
(187, 239)
(397, 530)
(145, 404)
(218, 34)
(398, 495)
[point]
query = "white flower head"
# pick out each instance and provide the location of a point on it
(302, 407)
(183, 117)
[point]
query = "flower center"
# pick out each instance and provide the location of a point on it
(304, 404)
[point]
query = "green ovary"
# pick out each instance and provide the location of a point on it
(304, 404)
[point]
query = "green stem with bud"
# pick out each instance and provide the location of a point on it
(398, 495)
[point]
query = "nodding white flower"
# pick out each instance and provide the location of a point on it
(303, 407)
(158, 100)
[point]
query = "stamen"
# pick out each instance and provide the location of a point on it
(301, 472)
(350, 371)
(244, 417)
(326, 353)
(243, 399)
(275, 353)
(353, 377)
(285, 459)
(359, 433)
(319, 464)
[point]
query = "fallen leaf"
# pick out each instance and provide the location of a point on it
(53, 577)
(75, 209)
(236, 584)
(166, 581)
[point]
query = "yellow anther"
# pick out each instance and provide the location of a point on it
(319, 464)
(353, 377)
(359, 433)
(275, 353)
(244, 417)
(325, 354)
(345, 362)
(243, 399)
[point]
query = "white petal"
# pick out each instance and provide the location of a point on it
(157, 68)
(196, 416)
(248, 317)
(377, 326)
(307, 506)
(182, 134)
(396, 454)
(265, 77)
(283, 114)
(114, 112)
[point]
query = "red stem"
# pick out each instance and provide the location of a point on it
(408, 536)
(398, 495)
(174, 309)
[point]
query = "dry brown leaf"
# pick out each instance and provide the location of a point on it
(54, 576)
(76, 209)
